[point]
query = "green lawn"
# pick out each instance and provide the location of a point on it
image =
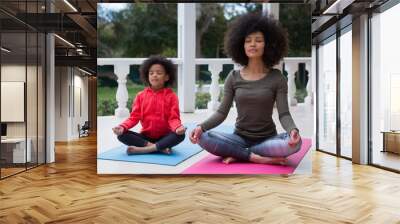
(108, 93)
(106, 101)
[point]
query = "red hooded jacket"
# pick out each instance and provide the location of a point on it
(157, 111)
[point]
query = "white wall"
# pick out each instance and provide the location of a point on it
(61, 103)
(14, 73)
(69, 85)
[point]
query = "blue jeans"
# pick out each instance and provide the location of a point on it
(233, 145)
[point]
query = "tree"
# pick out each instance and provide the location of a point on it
(297, 19)
(209, 17)
(139, 31)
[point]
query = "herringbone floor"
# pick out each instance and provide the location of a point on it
(70, 191)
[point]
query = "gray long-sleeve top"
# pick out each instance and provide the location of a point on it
(254, 102)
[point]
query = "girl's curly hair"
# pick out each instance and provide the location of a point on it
(160, 60)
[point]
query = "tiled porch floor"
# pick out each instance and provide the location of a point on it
(302, 114)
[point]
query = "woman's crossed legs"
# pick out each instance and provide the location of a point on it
(232, 147)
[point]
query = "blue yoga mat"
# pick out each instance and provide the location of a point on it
(180, 153)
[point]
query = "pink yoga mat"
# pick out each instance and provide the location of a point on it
(213, 165)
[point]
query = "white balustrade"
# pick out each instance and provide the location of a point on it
(310, 94)
(215, 69)
(122, 71)
(291, 68)
(215, 65)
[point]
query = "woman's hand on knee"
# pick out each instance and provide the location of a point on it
(118, 130)
(195, 135)
(294, 138)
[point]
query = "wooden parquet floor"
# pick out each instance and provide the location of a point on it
(70, 191)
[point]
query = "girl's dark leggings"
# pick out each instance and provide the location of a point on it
(170, 140)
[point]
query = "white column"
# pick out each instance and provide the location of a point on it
(186, 52)
(215, 69)
(314, 71)
(122, 71)
(360, 90)
(50, 95)
(291, 68)
(310, 97)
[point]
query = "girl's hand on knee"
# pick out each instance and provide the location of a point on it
(195, 135)
(181, 130)
(294, 138)
(118, 130)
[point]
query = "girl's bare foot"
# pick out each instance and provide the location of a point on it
(228, 160)
(140, 150)
(134, 150)
(268, 160)
(166, 151)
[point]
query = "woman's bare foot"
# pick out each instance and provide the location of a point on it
(228, 160)
(268, 160)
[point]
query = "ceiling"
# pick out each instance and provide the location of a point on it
(74, 21)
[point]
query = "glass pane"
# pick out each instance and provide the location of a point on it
(346, 94)
(31, 98)
(385, 86)
(41, 99)
(327, 97)
(13, 86)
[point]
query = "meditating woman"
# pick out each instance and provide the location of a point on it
(257, 43)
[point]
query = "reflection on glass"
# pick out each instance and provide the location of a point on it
(22, 88)
(41, 99)
(385, 84)
(13, 84)
(327, 97)
(31, 97)
(346, 94)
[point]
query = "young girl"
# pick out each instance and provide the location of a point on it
(157, 109)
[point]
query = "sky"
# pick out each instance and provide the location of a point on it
(114, 6)
(119, 6)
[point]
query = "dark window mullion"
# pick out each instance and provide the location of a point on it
(26, 86)
(338, 98)
(37, 90)
(317, 96)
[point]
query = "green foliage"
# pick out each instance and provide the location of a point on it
(202, 100)
(106, 107)
(106, 98)
(296, 18)
(141, 30)
(300, 95)
(144, 29)
(212, 33)
(105, 81)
